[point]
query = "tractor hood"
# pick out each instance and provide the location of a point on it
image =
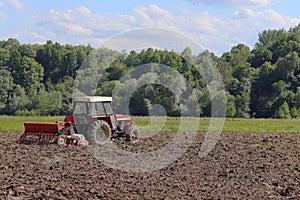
(124, 117)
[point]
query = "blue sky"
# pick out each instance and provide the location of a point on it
(216, 25)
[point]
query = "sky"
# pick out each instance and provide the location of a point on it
(215, 25)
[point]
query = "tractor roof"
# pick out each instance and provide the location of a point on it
(93, 99)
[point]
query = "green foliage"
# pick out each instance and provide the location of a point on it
(262, 82)
(17, 100)
(294, 112)
(6, 88)
(29, 74)
(4, 58)
(230, 106)
(242, 103)
(65, 89)
(259, 56)
(283, 111)
(49, 103)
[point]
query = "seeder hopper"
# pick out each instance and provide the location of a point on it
(46, 133)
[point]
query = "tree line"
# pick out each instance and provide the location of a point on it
(263, 82)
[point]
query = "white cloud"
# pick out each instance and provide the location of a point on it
(217, 33)
(267, 17)
(279, 19)
(144, 17)
(154, 16)
(17, 4)
(244, 13)
(32, 37)
(35, 35)
(232, 3)
(83, 10)
(57, 15)
(255, 3)
(247, 23)
(76, 29)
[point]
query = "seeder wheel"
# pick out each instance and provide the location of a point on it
(22, 138)
(61, 140)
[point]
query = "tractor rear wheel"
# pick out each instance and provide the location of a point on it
(99, 133)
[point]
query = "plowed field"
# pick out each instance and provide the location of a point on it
(241, 166)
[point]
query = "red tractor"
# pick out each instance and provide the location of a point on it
(93, 119)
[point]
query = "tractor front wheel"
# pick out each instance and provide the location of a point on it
(99, 133)
(133, 134)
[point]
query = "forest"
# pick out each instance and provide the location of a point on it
(263, 82)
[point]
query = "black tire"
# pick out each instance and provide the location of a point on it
(134, 134)
(99, 133)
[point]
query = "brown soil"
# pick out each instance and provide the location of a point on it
(241, 166)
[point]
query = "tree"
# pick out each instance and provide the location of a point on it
(225, 68)
(132, 59)
(294, 112)
(15, 64)
(273, 40)
(106, 88)
(66, 89)
(11, 44)
(16, 101)
(49, 103)
(6, 88)
(297, 98)
(284, 111)
(187, 55)
(28, 74)
(240, 54)
(242, 104)
(50, 56)
(69, 65)
(262, 82)
(4, 58)
(230, 105)
(286, 67)
(259, 56)
(27, 50)
(261, 93)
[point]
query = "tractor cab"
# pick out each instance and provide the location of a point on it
(93, 106)
(90, 108)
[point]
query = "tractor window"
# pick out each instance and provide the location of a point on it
(107, 107)
(80, 108)
(99, 110)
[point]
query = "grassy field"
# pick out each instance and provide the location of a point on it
(236, 124)
(15, 123)
(8, 123)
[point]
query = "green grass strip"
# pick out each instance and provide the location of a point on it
(15, 123)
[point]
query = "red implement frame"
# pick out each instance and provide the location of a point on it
(41, 133)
